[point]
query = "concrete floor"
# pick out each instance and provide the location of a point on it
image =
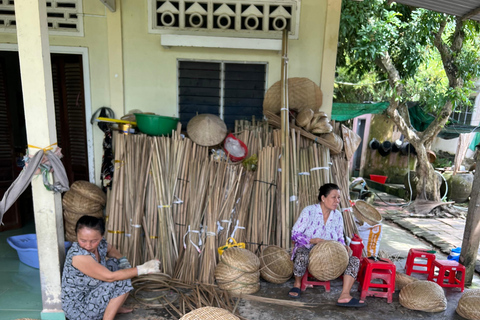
(20, 292)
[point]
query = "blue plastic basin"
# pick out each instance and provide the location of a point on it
(26, 246)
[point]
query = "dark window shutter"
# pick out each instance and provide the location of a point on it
(244, 90)
(67, 72)
(198, 89)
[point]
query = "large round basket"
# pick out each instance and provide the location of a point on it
(303, 93)
(238, 271)
(75, 202)
(275, 265)
(206, 129)
(89, 191)
(469, 305)
(328, 260)
(365, 212)
(209, 313)
(401, 280)
(424, 296)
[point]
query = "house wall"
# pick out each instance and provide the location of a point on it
(130, 69)
(394, 165)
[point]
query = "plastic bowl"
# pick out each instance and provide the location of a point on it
(378, 178)
(156, 125)
(26, 246)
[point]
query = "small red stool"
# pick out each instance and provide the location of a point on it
(452, 267)
(419, 254)
(306, 283)
(383, 269)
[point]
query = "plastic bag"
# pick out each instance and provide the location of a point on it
(234, 148)
(371, 236)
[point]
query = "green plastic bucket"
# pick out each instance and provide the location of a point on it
(156, 125)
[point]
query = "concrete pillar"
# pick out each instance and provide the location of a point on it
(115, 59)
(35, 69)
(329, 57)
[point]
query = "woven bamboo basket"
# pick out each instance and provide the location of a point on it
(206, 129)
(70, 221)
(275, 265)
(322, 126)
(365, 212)
(75, 202)
(424, 296)
(209, 313)
(90, 191)
(328, 260)
(303, 93)
(304, 117)
(331, 140)
(401, 280)
(469, 305)
(238, 271)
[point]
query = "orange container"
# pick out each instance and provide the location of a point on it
(378, 178)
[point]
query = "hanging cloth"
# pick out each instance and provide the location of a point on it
(25, 177)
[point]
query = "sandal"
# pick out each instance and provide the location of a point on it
(294, 290)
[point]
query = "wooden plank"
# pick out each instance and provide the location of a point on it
(243, 111)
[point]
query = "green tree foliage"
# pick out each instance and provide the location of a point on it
(425, 56)
(370, 28)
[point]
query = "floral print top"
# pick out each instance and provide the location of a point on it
(310, 225)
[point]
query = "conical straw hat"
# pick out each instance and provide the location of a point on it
(206, 129)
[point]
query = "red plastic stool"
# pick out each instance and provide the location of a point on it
(383, 269)
(452, 267)
(419, 254)
(306, 283)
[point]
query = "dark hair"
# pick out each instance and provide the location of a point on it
(325, 190)
(91, 223)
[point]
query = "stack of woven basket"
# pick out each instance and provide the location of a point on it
(314, 122)
(83, 198)
(275, 265)
(469, 304)
(238, 271)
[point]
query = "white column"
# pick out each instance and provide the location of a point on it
(35, 68)
(327, 77)
(115, 60)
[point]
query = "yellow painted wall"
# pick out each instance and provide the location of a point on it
(150, 70)
(156, 66)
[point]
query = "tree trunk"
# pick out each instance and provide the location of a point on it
(427, 185)
(471, 235)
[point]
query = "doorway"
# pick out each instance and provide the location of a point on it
(69, 99)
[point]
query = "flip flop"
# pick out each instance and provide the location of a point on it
(294, 290)
(353, 303)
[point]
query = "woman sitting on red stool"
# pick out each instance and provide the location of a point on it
(320, 222)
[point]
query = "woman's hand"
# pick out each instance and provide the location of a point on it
(316, 240)
(152, 266)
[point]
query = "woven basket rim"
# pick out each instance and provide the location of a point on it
(209, 313)
(90, 191)
(367, 213)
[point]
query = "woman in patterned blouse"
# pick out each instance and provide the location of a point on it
(96, 278)
(320, 222)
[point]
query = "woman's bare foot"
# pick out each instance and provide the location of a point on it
(124, 310)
